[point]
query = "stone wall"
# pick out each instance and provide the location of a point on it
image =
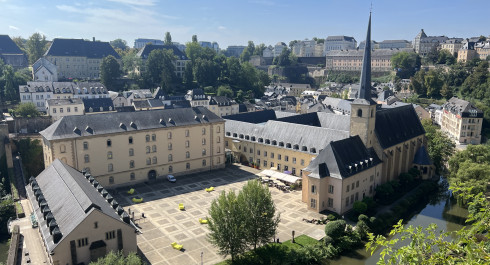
(28, 125)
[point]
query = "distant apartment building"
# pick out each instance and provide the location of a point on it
(123, 148)
(11, 54)
(462, 121)
(452, 45)
(77, 58)
(278, 48)
(222, 106)
(212, 45)
(374, 45)
(140, 43)
(467, 52)
(308, 48)
(268, 52)
(179, 62)
(39, 92)
(483, 49)
(44, 70)
(423, 44)
(394, 44)
(333, 43)
(234, 51)
(352, 60)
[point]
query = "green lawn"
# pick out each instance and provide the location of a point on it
(273, 251)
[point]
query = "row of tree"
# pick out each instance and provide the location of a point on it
(10, 81)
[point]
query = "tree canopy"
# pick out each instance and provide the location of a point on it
(26, 110)
(439, 146)
(161, 69)
(405, 63)
(110, 71)
(36, 46)
(168, 39)
(119, 44)
(118, 258)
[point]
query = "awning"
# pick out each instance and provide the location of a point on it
(279, 176)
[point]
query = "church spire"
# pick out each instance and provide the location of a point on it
(365, 88)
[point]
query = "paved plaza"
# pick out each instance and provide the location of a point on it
(164, 223)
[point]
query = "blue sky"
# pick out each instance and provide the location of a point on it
(235, 22)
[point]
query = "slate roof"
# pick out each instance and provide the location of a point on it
(311, 137)
(221, 101)
(397, 125)
(43, 62)
(462, 107)
(253, 117)
(143, 53)
(116, 122)
(83, 48)
(359, 53)
(141, 104)
(338, 104)
(125, 109)
(8, 46)
(155, 103)
(339, 158)
(96, 103)
(159, 94)
(383, 95)
(70, 197)
(340, 38)
(422, 157)
(70, 101)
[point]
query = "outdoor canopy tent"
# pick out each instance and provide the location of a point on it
(279, 176)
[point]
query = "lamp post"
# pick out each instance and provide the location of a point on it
(293, 236)
(202, 253)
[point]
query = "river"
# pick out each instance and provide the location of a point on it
(440, 209)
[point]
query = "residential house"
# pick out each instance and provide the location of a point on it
(78, 220)
(44, 71)
(123, 148)
(77, 58)
(222, 106)
(97, 105)
(467, 52)
(59, 108)
(278, 48)
(394, 44)
(452, 45)
(197, 98)
(423, 44)
(462, 121)
(11, 54)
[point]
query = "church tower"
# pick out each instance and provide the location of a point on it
(363, 108)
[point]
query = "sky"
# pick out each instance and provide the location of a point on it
(233, 22)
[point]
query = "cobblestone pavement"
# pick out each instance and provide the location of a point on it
(165, 223)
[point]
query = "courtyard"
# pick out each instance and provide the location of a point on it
(163, 222)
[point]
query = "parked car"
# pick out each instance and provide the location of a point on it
(171, 178)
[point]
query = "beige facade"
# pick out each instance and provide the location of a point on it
(124, 157)
(352, 60)
(462, 129)
(96, 227)
(465, 55)
(221, 111)
(59, 108)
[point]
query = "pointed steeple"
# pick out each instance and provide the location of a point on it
(365, 88)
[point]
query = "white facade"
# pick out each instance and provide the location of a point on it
(278, 48)
(339, 43)
(58, 108)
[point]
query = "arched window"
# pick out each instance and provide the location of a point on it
(154, 160)
(148, 161)
(204, 162)
(130, 140)
(85, 145)
(218, 140)
(154, 148)
(86, 158)
(62, 148)
(132, 176)
(203, 131)
(109, 155)
(131, 164)
(187, 144)
(170, 158)
(110, 167)
(203, 141)
(359, 113)
(111, 180)
(203, 152)
(131, 152)
(147, 149)
(169, 135)
(153, 137)
(109, 143)
(169, 146)
(170, 169)
(188, 166)
(187, 154)
(147, 137)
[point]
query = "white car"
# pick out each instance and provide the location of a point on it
(171, 178)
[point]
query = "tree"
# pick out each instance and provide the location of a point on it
(161, 69)
(226, 225)
(168, 39)
(7, 210)
(36, 47)
(193, 50)
(335, 230)
(433, 83)
(20, 42)
(359, 207)
(118, 258)
(247, 52)
(119, 44)
(131, 62)
(477, 84)
(206, 72)
(31, 152)
(439, 146)
(405, 64)
(432, 55)
(194, 38)
(430, 245)
(9, 91)
(261, 220)
(110, 71)
(188, 76)
(283, 58)
(471, 167)
(225, 90)
(26, 110)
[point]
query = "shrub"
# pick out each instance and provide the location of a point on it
(359, 207)
(414, 172)
(363, 229)
(363, 217)
(332, 217)
(405, 179)
(369, 201)
(335, 229)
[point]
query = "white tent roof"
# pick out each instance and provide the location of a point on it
(279, 176)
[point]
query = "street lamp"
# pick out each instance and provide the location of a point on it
(293, 236)
(202, 253)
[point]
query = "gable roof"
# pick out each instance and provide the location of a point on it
(116, 122)
(8, 46)
(253, 117)
(83, 48)
(221, 101)
(342, 159)
(47, 64)
(145, 52)
(70, 197)
(462, 107)
(397, 125)
(422, 157)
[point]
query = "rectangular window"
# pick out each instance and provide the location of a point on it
(352, 199)
(294, 160)
(371, 178)
(313, 203)
(302, 162)
(330, 202)
(61, 110)
(76, 109)
(357, 196)
(54, 110)
(352, 188)
(186, 133)
(82, 242)
(272, 155)
(347, 201)
(110, 235)
(330, 189)
(258, 152)
(279, 156)
(357, 184)
(286, 158)
(265, 163)
(68, 109)
(265, 153)
(313, 189)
